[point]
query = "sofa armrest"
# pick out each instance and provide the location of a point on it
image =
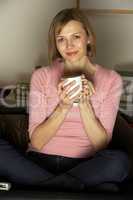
(122, 135)
(14, 128)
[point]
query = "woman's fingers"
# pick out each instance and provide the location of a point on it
(91, 86)
(88, 87)
(75, 98)
(60, 88)
(87, 90)
(63, 87)
(66, 92)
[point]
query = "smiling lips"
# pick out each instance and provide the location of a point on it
(73, 53)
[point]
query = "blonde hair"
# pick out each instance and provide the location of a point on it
(59, 21)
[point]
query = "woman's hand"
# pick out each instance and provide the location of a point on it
(65, 94)
(87, 91)
(87, 88)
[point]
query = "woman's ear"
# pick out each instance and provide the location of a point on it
(88, 42)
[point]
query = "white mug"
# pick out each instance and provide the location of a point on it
(78, 82)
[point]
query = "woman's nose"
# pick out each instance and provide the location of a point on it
(69, 43)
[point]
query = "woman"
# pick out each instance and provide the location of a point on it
(68, 143)
(74, 139)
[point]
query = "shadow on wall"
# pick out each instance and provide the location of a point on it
(20, 77)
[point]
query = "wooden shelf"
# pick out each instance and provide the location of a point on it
(107, 11)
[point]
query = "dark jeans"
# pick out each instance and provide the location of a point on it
(54, 163)
(36, 169)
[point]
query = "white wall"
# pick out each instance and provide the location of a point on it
(114, 33)
(23, 35)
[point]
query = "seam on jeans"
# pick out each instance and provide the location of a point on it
(58, 163)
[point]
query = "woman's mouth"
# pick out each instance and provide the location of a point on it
(72, 53)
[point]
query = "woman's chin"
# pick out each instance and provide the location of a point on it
(72, 60)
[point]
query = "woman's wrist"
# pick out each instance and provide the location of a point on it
(64, 108)
(86, 108)
(60, 110)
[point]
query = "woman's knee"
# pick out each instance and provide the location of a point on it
(116, 155)
(119, 157)
(119, 164)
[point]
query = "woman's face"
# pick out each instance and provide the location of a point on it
(72, 41)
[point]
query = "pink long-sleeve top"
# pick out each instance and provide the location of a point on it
(71, 140)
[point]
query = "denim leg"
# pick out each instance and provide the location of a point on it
(105, 166)
(58, 165)
(18, 169)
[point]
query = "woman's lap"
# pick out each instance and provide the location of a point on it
(55, 164)
(105, 166)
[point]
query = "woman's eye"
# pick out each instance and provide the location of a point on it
(60, 40)
(77, 36)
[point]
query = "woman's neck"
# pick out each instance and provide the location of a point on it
(71, 73)
(88, 71)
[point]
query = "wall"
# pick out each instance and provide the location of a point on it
(114, 33)
(23, 35)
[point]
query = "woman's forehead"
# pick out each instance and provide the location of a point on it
(72, 26)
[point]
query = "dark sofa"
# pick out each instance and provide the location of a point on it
(14, 125)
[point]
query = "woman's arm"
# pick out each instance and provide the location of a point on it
(41, 127)
(48, 128)
(93, 128)
(99, 130)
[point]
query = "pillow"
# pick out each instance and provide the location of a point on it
(126, 101)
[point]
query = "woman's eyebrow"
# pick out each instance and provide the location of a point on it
(77, 33)
(58, 35)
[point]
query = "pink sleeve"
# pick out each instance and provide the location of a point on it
(110, 105)
(37, 100)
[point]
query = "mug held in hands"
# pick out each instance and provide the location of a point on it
(78, 82)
